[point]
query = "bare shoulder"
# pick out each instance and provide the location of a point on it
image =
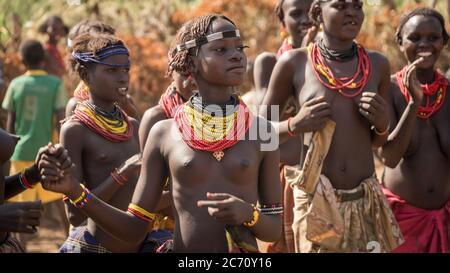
(265, 58)
(71, 105)
(72, 129)
(294, 57)
(162, 129)
(378, 59)
(153, 115)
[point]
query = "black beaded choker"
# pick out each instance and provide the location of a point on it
(341, 56)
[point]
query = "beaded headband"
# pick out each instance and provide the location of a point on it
(206, 39)
(97, 57)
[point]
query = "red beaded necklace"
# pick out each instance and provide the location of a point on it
(113, 127)
(346, 86)
(438, 86)
(190, 121)
(285, 46)
(171, 100)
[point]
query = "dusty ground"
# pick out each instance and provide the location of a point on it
(51, 235)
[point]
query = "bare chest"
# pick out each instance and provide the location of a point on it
(102, 156)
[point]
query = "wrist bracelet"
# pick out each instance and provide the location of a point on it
(255, 218)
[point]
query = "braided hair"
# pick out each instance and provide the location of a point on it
(182, 61)
(426, 12)
(89, 43)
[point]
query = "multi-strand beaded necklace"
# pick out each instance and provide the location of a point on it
(213, 128)
(438, 88)
(114, 126)
(346, 86)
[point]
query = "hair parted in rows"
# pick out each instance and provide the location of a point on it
(89, 43)
(426, 12)
(182, 61)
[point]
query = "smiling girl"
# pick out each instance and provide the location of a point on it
(341, 88)
(417, 174)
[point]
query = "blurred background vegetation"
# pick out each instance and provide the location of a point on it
(147, 26)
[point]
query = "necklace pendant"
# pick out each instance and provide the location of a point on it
(218, 155)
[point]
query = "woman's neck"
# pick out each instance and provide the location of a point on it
(52, 41)
(336, 44)
(105, 105)
(214, 94)
(425, 76)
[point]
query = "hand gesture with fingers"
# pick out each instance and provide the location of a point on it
(312, 116)
(21, 217)
(52, 161)
(374, 108)
(411, 82)
(59, 181)
(227, 208)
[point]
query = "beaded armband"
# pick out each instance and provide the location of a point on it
(275, 209)
(141, 213)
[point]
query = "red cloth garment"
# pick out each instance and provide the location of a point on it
(285, 46)
(425, 231)
(54, 52)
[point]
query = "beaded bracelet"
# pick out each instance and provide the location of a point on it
(141, 213)
(83, 199)
(255, 218)
(120, 179)
(290, 132)
(24, 181)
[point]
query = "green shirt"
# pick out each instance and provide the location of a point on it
(34, 97)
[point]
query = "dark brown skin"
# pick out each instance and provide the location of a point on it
(125, 102)
(224, 192)
(298, 26)
(95, 157)
(150, 118)
(24, 217)
(349, 160)
(416, 153)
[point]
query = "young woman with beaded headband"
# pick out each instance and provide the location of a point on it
(416, 154)
(297, 30)
(102, 141)
(215, 183)
(81, 92)
(341, 89)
